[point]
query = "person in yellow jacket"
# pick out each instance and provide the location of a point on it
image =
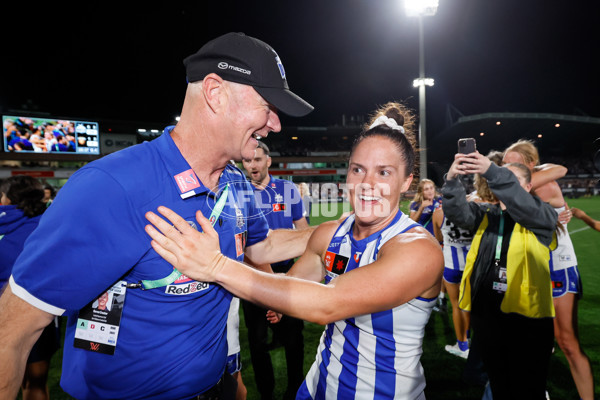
(506, 284)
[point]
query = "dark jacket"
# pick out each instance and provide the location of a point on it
(15, 227)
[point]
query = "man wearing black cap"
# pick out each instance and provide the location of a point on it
(169, 342)
(246, 60)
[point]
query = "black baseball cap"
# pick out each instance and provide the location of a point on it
(243, 59)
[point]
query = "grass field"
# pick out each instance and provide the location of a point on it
(443, 371)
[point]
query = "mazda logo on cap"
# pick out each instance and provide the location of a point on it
(223, 65)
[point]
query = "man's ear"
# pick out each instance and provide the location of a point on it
(269, 161)
(215, 94)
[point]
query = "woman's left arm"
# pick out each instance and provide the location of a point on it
(545, 173)
(409, 265)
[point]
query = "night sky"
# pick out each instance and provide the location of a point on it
(343, 56)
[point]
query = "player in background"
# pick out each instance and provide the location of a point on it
(566, 280)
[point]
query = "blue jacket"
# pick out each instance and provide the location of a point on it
(15, 227)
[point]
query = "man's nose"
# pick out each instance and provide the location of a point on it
(274, 124)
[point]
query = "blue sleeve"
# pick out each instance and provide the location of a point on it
(258, 228)
(11, 244)
(86, 240)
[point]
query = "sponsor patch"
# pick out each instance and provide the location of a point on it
(335, 263)
(564, 258)
(557, 285)
(224, 65)
(181, 290)
(277, 207)
(187, 180)
(240, 243)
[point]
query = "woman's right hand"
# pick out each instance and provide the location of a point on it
(456, 167)
(273, 316)
(464, 164)
(425, 203)
(193, 253)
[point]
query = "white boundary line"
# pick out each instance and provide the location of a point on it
(579, 230)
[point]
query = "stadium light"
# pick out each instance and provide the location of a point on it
(420, 9)
(423, 81)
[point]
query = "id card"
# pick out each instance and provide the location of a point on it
(98, 322)
(499, 283)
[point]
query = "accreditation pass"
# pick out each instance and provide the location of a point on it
(98, 322)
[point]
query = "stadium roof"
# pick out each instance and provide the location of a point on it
(555, 135)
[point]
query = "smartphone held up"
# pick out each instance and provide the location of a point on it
(466, 146)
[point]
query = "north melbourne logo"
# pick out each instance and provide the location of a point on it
(224, 65)
(280, 66)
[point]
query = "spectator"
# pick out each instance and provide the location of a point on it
(456, 244)
(563, 265)
(426, 201)
(282, 205)
(49, 193)
(506, 283)
(21, 208)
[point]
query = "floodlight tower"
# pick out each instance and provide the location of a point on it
(420, 9)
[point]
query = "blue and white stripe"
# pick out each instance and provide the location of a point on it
(457, 242)
(372, 356)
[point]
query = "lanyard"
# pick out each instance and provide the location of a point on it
(500, 238)
(173, 276)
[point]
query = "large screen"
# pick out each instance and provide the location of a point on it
(43, 135)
